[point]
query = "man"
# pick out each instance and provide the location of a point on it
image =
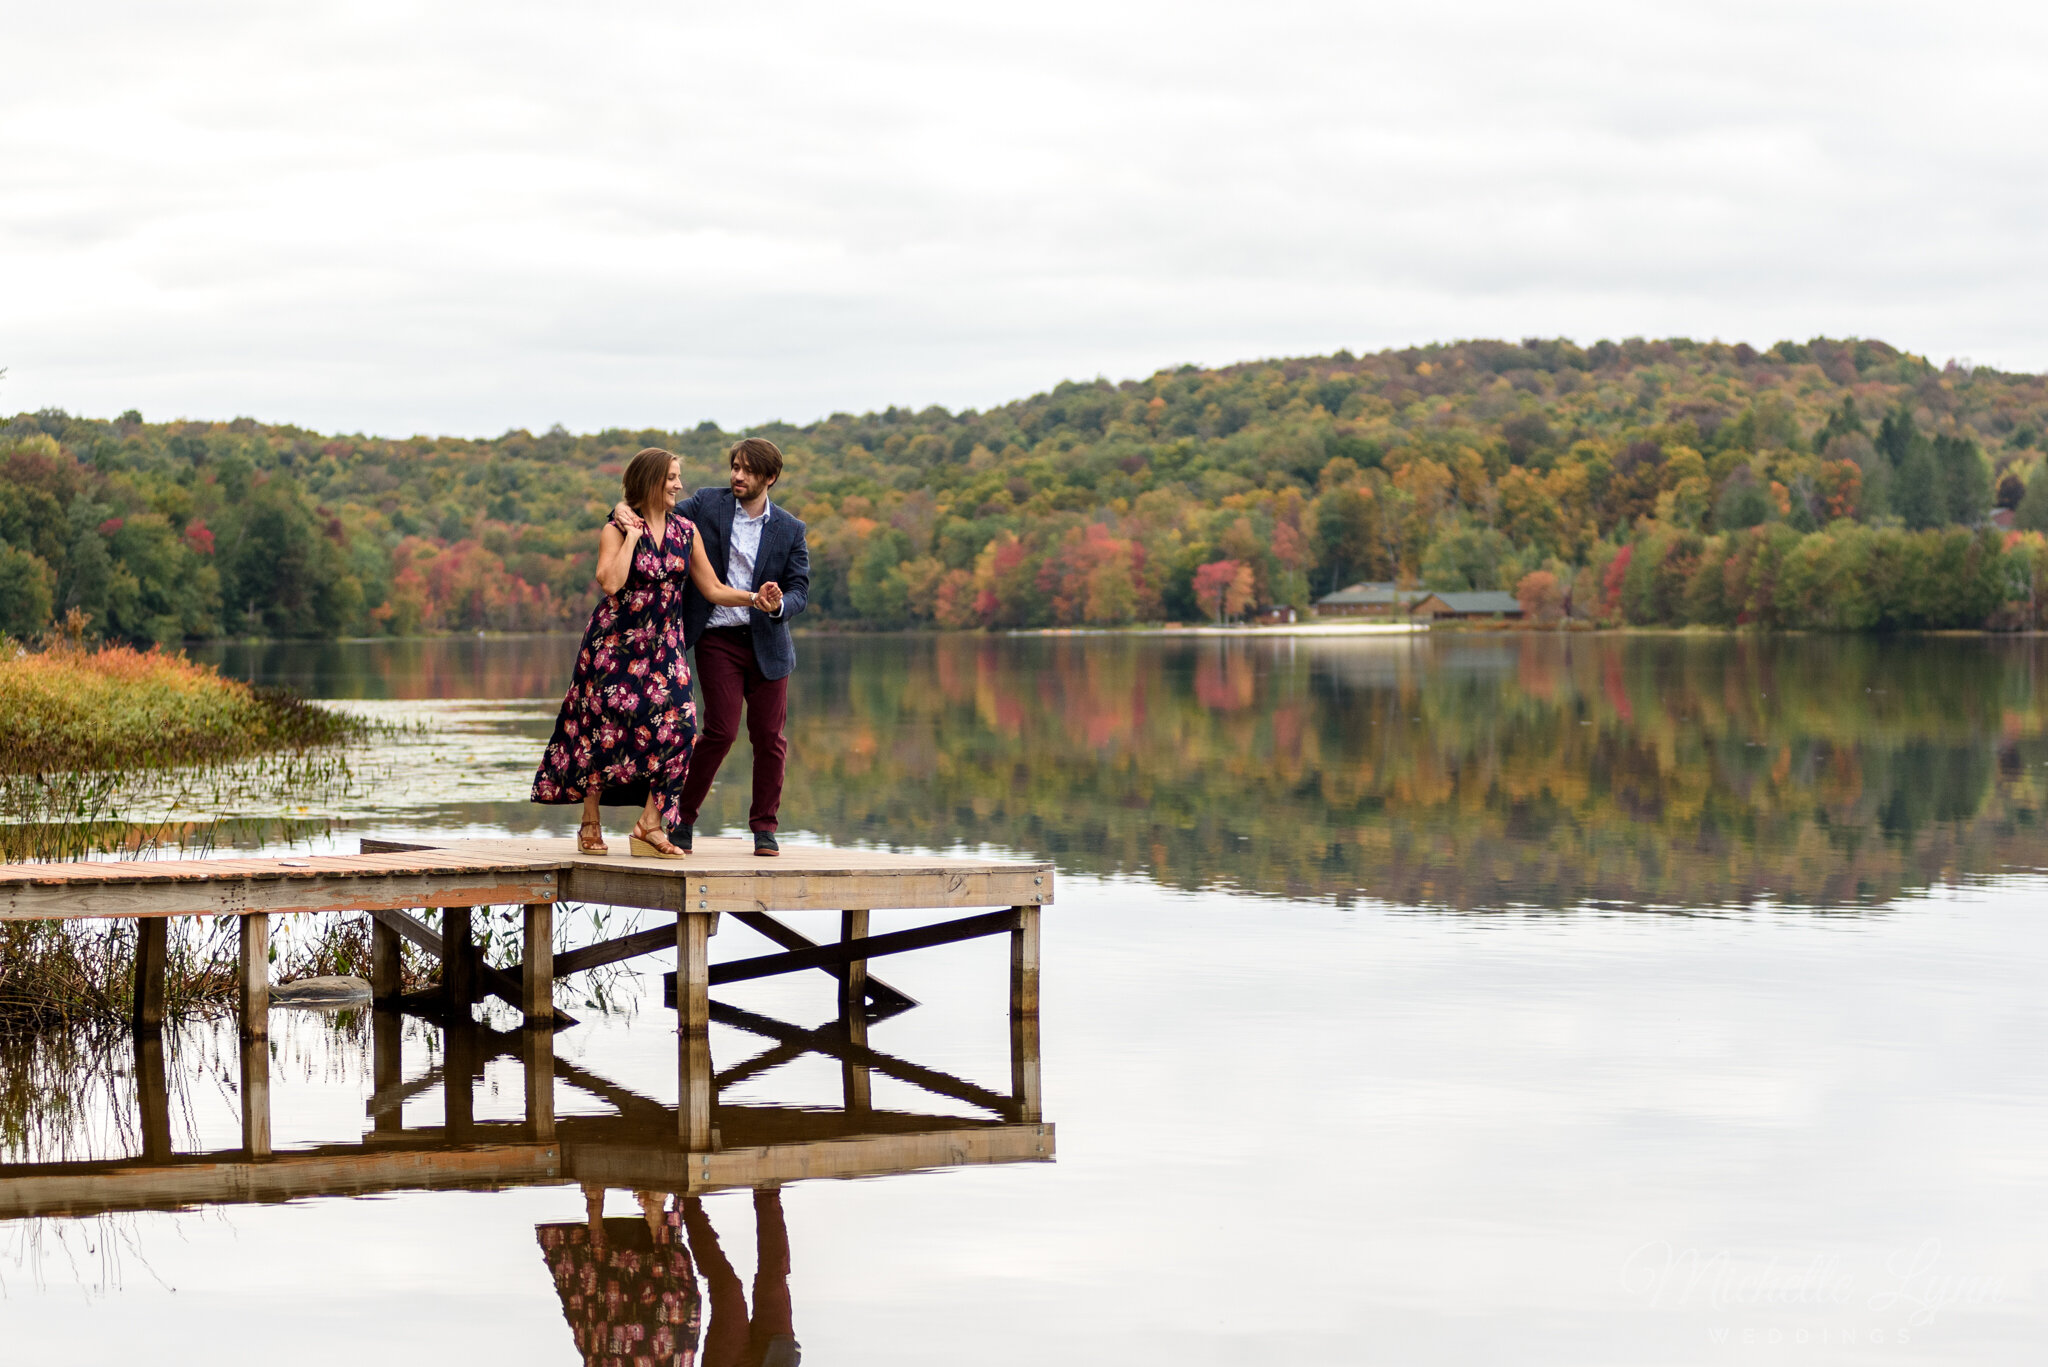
(744, 655)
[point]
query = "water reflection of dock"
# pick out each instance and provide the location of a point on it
(630, 1288)
(753, 1145)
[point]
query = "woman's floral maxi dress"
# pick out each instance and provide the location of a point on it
(628, 723)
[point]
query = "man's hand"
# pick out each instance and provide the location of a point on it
(628, 519)
(771, 597)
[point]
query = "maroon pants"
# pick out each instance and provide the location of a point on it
(730, 674)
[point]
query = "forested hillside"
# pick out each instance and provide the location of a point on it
(1830, 484)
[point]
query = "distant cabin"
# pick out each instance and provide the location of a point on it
(1369, 600)
(1487, 603)
(1274, 615)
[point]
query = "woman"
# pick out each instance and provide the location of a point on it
(627, 725)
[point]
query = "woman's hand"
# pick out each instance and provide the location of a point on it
(768, 597)
(630, 520)
(723, 595)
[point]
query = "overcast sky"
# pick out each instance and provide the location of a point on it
(433, 217)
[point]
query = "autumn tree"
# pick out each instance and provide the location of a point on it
(1224, 588)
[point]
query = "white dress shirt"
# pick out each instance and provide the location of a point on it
(742, 548)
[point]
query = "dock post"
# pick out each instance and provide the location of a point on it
(387, 1066)
(856, 1080)
(537, 987)
(152, 1097)
(1024, 1075)
(458, 962)
(152, 959)
(256, 1095)
(386, 968)
(693, 1030)
(255, 978)
(458, 1076)
(537, 1050)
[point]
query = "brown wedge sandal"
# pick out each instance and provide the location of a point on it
(588, 843)
(652, 845)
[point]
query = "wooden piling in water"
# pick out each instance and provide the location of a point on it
(1024, 1073)
(459, 1065)
(256, 1096)
(387, 1037)
(458, 962)
(152, 1097)
(693, 1029)
(856, 1081)
(537, 1056)
(253, 969)
(152, 962)
(537, 967)
(387, 971)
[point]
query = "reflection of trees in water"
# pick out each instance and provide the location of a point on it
(1460, 770)
(418, 667)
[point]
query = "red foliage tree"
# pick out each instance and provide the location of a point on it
(1224, 587)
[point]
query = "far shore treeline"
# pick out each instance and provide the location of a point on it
(1829, 484)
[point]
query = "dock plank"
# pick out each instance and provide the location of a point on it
(416, 1162)
(99, 1188)
(722, 875)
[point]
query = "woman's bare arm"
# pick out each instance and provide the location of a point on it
(615, 554)
(708, 585)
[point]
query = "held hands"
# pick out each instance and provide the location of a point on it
(629, 519)
(768, 597)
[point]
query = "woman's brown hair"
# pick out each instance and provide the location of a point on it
(645, 474)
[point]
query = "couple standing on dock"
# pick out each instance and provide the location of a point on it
(722, 574)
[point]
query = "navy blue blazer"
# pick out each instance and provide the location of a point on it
(783, 559)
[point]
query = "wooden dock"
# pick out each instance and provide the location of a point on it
(391, 881)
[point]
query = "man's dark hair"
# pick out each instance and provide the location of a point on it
(757, 456)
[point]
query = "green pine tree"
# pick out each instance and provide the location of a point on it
(2032, 514)
(1965, 479)
(1916, 490)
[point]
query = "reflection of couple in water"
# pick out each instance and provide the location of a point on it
(629, 1287)
(721, 573)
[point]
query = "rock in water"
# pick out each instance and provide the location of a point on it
(321, 992)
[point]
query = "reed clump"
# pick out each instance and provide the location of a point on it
(57, 973)
(61, 974)
(89, 734)
(74, 708)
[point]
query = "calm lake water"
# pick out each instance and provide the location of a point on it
(1463, 999)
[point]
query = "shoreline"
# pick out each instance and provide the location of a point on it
(1280, 629)
(1309, 628)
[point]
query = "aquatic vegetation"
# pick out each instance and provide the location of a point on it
(109, 749)
(71, 973)
(73, 708)
(112, 750)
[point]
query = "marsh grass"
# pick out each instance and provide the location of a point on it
(135, 754)
(91, 736)
(70, 708)
(69, 974)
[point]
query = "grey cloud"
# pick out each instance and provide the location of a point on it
(430, 217)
